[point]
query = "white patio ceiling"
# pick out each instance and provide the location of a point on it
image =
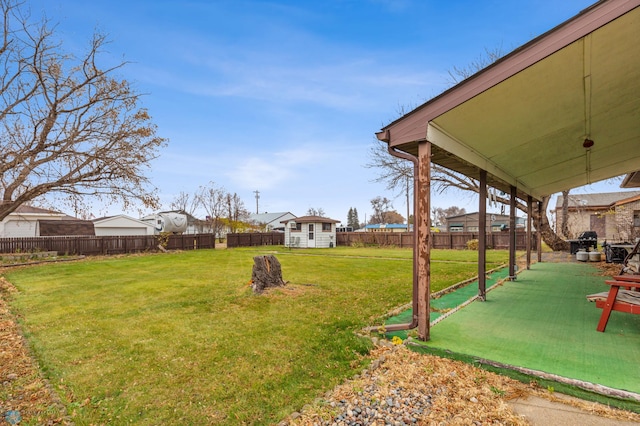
(525, 118)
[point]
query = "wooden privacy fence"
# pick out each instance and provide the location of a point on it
(92, 245)
(439, 240)
(248, 239)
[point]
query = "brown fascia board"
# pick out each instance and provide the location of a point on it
(585, 22)
(587, 208)
(311, 219)
(626, 201)
(603, 206)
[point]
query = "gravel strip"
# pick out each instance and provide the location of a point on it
(402, 387)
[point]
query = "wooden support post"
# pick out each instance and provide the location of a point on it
(424, 237)
(482, 238)
(529, 223)
(538, 233)
(512, 234)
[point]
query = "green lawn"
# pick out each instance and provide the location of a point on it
(179, 338)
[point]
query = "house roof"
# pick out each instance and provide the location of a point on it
(311, 219)
(528, 118)
(268, 217)
(65, 227)
(106, 219)
(627, 200)
(24, 209)
(602, 200)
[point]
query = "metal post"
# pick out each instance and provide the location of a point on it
(538, 233)
(512, 234)
(529, 223)
(482, 237)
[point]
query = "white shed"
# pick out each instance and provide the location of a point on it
(310, 232)
(121, 225)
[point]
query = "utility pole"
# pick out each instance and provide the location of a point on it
(257, 198)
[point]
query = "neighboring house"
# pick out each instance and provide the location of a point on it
(625, 225)
(271, 221)
(28, 221)
(169, 221)
(614, 216)
(470, 222)
(197, 226)
(310, 232)
(344, 229)
(122, 225)
(23, 222)
(387, 227)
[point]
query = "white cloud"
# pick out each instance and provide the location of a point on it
(260, 173)
(273, 169)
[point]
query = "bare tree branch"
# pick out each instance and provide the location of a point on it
(68, 126)
(394, 171)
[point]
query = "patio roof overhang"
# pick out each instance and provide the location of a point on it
(632, 180)
(528, 119)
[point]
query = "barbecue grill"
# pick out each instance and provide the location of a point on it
(585, 241)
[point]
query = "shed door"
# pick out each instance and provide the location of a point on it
(311, 241)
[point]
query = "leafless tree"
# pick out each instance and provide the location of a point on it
(381, 206)
(235, 211)
(396, 171)
(312, 211)
(185, 202)
(440, 215)
(68, 126)
(213, 201)
(457, 74)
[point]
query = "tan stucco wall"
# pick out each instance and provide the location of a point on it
(578, 221)
(622, 223)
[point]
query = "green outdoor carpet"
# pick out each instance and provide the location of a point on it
(448, 301)
(543, 321)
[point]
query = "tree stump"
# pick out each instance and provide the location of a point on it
(267, 272)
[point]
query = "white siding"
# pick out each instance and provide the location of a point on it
(105, 231)
(23, 225)
(121, 225)
(322, 239)
(20, 228)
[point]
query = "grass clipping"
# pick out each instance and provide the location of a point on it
(461, 394)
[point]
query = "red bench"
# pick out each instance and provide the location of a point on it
(623, 296)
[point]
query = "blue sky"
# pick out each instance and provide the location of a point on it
(284, 97)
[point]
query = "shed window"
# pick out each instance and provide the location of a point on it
(295, 226)
(456, 229)
(636, 218)
(326, 227)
